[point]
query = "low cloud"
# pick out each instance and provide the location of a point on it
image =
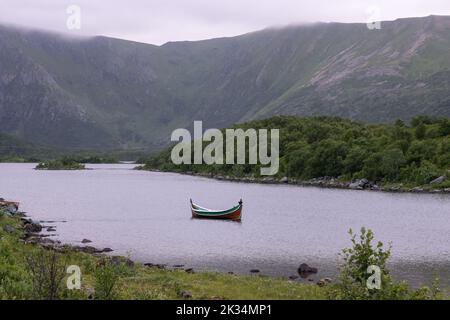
(160, 21)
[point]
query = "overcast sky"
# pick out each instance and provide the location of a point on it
(160, 21)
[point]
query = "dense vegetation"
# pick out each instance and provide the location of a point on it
(30, 271)
(412, 154)
(63, 164)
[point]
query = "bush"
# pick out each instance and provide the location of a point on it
(354, 274)
(384, 165)
(423, 174)
(63, 164)
(106, 276)
(47, 271)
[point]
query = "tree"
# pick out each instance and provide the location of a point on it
(421, 131)
(297, 161)
(420, 151)
(328, 158)
(384, 165)
(354, 161)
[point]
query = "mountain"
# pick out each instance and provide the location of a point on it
(11, 147)
(105, 93)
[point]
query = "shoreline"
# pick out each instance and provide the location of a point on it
(323, 183)
(39, 233)
(307, 284)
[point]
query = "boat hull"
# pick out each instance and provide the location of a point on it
(233, 214)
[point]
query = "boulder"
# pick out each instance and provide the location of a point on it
(9, 229)
(31, 227)
(284, 180)
(354, 185)
(11, 209)
(86, 241)
(323, 282)
(118, 260)
(87, 249)
(254, 271)
(439, 180)
(359, 184)
(184, 294)
(305, 269)
(107, 250)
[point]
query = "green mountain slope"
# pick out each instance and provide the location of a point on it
(103, 93)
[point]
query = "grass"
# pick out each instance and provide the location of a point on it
(131, 281)
(138, 281)
(154, 283)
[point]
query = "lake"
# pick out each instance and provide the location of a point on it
(146, 215)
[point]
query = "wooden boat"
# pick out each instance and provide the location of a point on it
(233, 214)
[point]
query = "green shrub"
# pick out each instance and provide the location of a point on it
(106, 277)
(47, 270)
(421, 175)
(354, 274)
(63, 164)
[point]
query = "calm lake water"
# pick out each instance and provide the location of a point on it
(147, 216)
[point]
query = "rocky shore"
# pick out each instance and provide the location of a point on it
(330, 182)
(32, 231)
(39, 233)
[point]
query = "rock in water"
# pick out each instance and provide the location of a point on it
(86, 241)
(31, 227)
(305, 269)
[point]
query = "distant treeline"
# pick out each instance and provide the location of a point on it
(414, 153)
(13, 149)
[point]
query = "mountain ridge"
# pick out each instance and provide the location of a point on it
(100, 92)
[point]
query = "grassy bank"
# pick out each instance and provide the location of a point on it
(129, 280)
(36, 270)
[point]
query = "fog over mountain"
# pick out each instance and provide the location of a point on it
(105, 93)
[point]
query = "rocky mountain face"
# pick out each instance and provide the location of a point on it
(100, 93)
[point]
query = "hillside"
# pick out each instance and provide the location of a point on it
(104, 93)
